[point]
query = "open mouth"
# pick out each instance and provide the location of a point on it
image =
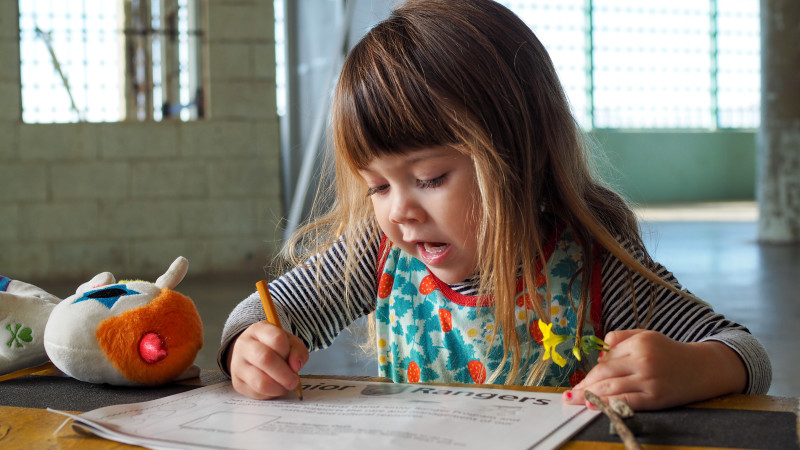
(434, 247)
(433, 253)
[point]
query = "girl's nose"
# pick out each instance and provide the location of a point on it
(405, 209)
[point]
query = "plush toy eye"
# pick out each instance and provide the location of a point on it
(108, 295)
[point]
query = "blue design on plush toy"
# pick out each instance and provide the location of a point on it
(4, 283)
(107, 295)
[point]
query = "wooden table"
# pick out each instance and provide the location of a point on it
(35, 428)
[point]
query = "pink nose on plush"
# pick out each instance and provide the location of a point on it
(152, 347)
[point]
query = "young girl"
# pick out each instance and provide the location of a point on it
(466, 220)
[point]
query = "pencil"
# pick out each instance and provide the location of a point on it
(27, 371)
(272, 317)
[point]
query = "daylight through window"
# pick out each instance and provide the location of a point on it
(107, 61)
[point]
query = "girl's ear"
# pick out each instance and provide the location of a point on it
(174, 274)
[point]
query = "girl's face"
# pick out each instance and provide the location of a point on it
(425, 201)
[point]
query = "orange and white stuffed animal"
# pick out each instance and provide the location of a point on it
(122, 333)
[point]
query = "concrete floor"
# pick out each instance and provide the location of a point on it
(712, 249)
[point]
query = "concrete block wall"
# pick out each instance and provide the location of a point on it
(129, 197)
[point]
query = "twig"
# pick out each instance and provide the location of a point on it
(622, 430)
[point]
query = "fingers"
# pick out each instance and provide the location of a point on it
(613, 338)
(610, 379)
(625, 388)
(617, 374)
(265, 361)
(642, 368)
(298, 353)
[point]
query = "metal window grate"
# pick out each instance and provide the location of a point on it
(738, 64)
(677, 64)
(561, 26)
(631, 64)
(57, 42)
(280, 56)
(652, 66)
(106, 61)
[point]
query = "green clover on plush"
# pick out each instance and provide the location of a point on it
(19, 336)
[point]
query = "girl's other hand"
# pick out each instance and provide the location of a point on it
(648, 370)
(264, 361)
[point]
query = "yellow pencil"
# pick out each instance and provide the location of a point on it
(27, 371)
(272, 317)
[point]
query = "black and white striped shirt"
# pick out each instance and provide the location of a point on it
(306, 312)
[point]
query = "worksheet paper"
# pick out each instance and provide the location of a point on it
(339, 414)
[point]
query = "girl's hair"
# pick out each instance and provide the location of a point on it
(471, 75)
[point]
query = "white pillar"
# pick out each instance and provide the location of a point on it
(778, 149)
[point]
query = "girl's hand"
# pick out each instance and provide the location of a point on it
(648, 370)
(264, 361)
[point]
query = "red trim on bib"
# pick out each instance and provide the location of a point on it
(472, 300)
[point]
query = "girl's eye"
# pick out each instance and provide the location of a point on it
(377, 190)
(433, 183)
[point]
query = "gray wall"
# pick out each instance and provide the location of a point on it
(129, 197)
(679, 166)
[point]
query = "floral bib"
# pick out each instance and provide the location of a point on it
(426, 332)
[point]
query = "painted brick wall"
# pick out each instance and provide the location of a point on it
(129, 197)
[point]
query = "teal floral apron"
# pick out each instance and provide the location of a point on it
(426, 332)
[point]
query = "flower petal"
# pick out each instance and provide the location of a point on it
(558, 359)
(576, 352)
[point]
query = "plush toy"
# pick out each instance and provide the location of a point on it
(24, 310)
(121, 333)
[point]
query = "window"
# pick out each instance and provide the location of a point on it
(630, 64)
(633, 64)
(106, 61)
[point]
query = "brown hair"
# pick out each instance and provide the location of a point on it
(471, 75)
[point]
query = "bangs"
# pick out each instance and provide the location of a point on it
(384, 104)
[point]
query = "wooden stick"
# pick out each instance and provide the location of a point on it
(272, 317)
(622, 430)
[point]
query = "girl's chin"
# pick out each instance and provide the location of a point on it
(449, 276)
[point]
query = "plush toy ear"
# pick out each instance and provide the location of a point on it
(101, 279)
(174, 274)
(23, 289)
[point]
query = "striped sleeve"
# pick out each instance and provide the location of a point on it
(313, 311)
(626, 304)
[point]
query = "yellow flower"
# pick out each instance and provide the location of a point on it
(550, 341)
